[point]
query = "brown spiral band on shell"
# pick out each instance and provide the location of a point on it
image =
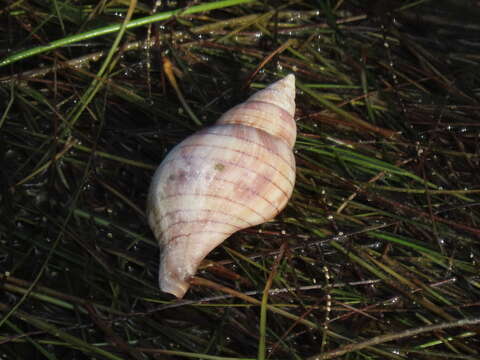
(209, 211)
(217, 197)
(224, 162)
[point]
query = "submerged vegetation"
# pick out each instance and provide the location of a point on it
(376, 254)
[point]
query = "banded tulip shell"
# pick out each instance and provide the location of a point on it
(235, 174)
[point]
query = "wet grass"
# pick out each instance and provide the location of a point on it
(376, 254)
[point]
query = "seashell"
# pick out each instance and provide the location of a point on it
(235, 174)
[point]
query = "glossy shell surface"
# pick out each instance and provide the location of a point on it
(235, 174)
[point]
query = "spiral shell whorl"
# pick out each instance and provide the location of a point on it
(271, 110)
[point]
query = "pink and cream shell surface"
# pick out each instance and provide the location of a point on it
(238, 173)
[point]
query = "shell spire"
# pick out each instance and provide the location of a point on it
(233, 175)
(276, 100)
